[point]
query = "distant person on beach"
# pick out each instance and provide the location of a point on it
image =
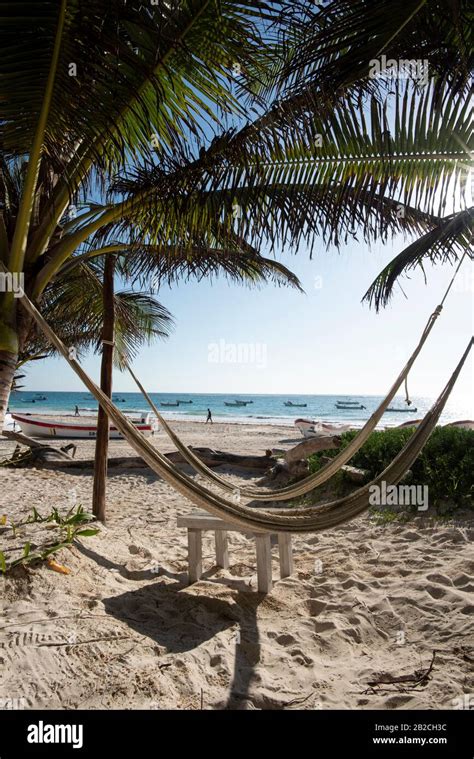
(209, 416)
(76, 411)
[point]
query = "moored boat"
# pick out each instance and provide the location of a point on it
(295, 405)
(349, 405)
(403, 410)
(72, 427)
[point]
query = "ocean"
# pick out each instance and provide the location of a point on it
(261, 409)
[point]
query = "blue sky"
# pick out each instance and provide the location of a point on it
(325, 341)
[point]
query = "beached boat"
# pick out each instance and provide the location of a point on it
(313, 428)
(464, 424)
(403, 410)
(295, 405)
(72, 427)
(411, 423)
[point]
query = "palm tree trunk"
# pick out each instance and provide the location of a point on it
(12, 329)
(8, 363)
(102, 443)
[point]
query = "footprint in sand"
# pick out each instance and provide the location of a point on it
(138, 550)
(285, 640)
(435, 592)
(396, 702)
(464, 582)
(301, 658)
(440, 579)
(321, 627)
(315, 607)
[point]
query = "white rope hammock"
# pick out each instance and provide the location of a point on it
(307, 519)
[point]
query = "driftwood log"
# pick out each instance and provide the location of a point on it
(38, 452)
(295, 464)
(49, 456)
(314, 445)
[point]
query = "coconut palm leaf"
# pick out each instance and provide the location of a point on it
(158, 265)
(75, 305)
(450, 239)
(361, 169)
(335, 42)
(132, 80)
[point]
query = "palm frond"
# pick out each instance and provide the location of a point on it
(361, 169)
(74, 304)
(446, 243)
(336, 43)
(154, 265)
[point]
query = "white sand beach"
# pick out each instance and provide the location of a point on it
(124, 630)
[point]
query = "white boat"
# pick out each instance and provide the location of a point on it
(465, 424)
(8, 423)
(312, 428)
(73, 427)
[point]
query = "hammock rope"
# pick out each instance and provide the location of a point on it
(313, 481)
(327, 471)
(306, 519)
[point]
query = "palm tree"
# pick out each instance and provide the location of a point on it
(214, 133)
(82, 304)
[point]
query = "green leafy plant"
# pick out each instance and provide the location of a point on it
(446, 464)
(71, 526)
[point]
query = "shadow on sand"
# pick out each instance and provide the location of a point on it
(180, 620)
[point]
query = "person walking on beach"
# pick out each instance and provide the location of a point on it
(76, 411)
(209, 416)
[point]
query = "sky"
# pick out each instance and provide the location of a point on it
(232, 339)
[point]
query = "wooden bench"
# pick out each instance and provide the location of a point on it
(197, 522)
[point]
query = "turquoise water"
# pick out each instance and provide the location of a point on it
(264, 409)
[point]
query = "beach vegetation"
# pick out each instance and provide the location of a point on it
(445, 465)
(76, 523)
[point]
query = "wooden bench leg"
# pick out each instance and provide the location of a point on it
(194, 555)
(286, 554)
(264, 563)
(222, 550)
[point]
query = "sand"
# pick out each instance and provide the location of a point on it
(123, 629)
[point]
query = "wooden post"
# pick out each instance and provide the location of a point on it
(264, 562)
(194, 555)
(102, 442)
(222, 550)
(286, 554)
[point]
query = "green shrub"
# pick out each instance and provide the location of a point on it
(446, 464)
